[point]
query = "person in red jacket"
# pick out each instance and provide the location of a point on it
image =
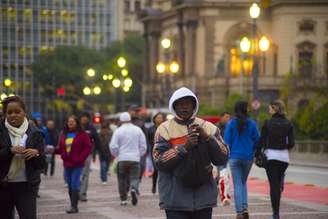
(74, 146)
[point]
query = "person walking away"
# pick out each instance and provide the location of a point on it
(223, 172)
(241, 135)
(95, 142)
(104, 151)
(53, 141)
(21, 159)
(277, 137)
(128, 145)
(74, 147)
(158, 119)
(185, 149)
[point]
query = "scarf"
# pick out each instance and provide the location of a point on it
(18, 162)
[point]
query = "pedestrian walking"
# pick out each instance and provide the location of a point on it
(74, 147)
(277, 137)
(241, 135)
(105, 155)
(53, 135)
(21, 159)
(185, 149)
(223, 172)
(95, 142)
(128, 145)
(158, 119)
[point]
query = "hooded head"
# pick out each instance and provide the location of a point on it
(183, 104)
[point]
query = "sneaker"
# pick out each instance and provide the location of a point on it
(245, 214)
(83, 198)
(104, 183)
(226, 202)
(124, 203)
(134, 197)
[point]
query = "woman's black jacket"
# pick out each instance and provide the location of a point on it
(277, 133)
(33, 166)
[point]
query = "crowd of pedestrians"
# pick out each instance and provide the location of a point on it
(183, 150)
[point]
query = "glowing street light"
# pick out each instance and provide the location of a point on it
(124, 72)
(174, 67)
(7, 82)
(110, 77)
(116, 83)
(128, 82)
(86, 91)
(126, 89)
(254, 11)
(160, 67)
(166, 43)
(264, 44)
(121, 62)
(245, 45)
(91, 72)
(3, 96)
(96, 90)
(105, 77)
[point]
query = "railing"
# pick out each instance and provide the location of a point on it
(311, 146)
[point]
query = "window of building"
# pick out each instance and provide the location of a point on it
(306, 52)
(127, 6)
(137, 6)
(307, 26)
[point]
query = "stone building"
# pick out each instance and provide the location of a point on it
(205, 36)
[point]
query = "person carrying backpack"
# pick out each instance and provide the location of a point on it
(184, 151)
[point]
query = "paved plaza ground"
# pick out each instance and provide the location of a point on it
(104, 201)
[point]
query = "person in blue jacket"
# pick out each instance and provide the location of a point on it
(241, 135)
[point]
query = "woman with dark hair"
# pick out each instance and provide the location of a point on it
(241, 135)
(21, 159)
(158, 119)
(277, 137)
(74, 146)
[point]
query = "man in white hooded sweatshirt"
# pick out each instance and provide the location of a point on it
(185, 149)
(128, 145)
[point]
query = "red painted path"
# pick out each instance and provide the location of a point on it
(307, 193)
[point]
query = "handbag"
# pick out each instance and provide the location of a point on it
(261, 159)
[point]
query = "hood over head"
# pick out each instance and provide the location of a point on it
(125, 117)
(180, 93)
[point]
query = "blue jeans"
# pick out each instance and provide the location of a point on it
(240, 170)
(73, 175)
(104, 165)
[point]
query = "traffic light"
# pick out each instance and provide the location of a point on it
(97, 118)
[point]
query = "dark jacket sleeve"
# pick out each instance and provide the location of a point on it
(37, 142)
(95, 138)
(291, 139)
(5, 155)
(165, 156)
(263, 138)
(218, 150)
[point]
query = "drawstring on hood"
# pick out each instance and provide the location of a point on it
(178, 94)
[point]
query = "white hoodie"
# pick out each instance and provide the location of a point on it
(180, 93)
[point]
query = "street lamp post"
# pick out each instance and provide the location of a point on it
(168, 66)
(254, 12)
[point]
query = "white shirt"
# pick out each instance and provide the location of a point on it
(274, 154)
(128, 143)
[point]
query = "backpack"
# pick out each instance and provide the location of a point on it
(196, 168)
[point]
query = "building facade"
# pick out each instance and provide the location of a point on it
(29, 28)
(206, 34)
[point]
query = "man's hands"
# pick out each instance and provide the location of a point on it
(27, 153)
(195, 132)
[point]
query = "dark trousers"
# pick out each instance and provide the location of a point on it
(200, 214)
(19, 195)
(276, 172)
(127, 171)
(52, 166)
(154, 177)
